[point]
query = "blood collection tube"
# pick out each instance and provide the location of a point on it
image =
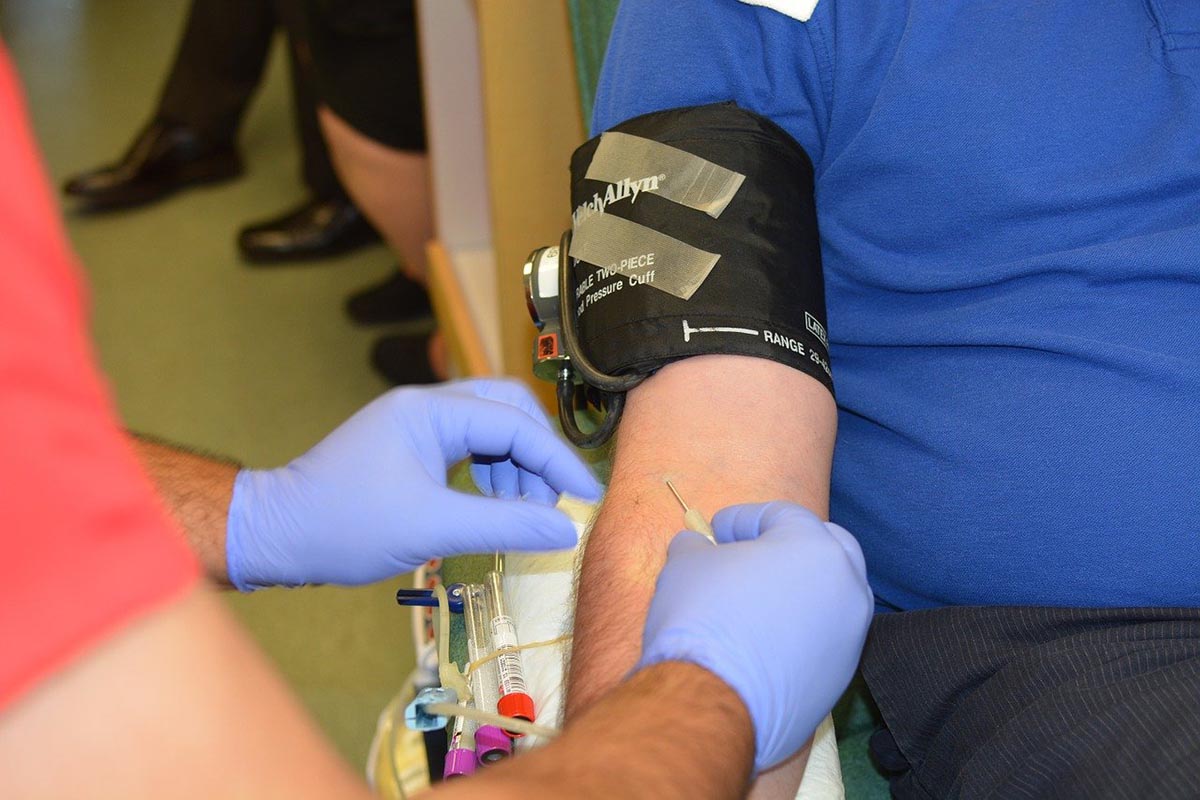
(514, 698)
(491, 743)
(460, 753)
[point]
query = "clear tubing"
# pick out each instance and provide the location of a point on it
(504, 640)
(485, 681)
(518, 725)
(448, 672)
(461, 732)
(491, 743)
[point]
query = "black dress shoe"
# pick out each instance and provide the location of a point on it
(397, 299)
(164, 158)
(403, 360)
(317, 229)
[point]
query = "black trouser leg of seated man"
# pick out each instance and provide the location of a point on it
(1023, 702)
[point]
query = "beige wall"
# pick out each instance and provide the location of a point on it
(531, 105)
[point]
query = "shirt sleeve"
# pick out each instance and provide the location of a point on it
(675, 53)
(85, 544)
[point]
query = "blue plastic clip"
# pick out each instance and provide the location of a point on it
(416, 718)
(425, 597)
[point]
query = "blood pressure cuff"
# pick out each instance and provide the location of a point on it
(694, 232)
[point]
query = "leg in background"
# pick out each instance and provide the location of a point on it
(390, 186)
(325, 223)
(190, 138)
(368, 77)
(392, 189)
(316, 166)
(218, 66)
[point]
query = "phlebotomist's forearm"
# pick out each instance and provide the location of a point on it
(672, 730)
(197, 490)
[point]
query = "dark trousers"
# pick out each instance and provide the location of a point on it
(1006, 702)
(220, 63)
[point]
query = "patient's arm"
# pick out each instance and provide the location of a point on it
(724, 429)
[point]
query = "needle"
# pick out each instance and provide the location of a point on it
(675, 492)
(693, 519)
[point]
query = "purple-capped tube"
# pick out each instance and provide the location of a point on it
(491, 743)
(460, 750)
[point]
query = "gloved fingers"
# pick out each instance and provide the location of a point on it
(497, 476)
(740, 523)
(686, 543)
(798, 534)
(492, 478)
(477, 428)
(737, 523)
(850, 545)
(534, 489)
(509, 392)
(487, 525)
(528, 485)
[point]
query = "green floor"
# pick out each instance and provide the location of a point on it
(199, 348)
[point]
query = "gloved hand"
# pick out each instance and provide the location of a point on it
(370, 500)
(778, 610)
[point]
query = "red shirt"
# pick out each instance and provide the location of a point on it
(85, 544)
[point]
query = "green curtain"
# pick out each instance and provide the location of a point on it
(591, 22)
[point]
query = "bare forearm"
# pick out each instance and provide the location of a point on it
(673, 730)
(725, 430)
(197, 490)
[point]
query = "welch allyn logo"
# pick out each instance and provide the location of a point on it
(625, 188)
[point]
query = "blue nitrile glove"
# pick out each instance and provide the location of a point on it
(370, 501)
(778, 610)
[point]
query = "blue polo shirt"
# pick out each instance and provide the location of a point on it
(1009, 203)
